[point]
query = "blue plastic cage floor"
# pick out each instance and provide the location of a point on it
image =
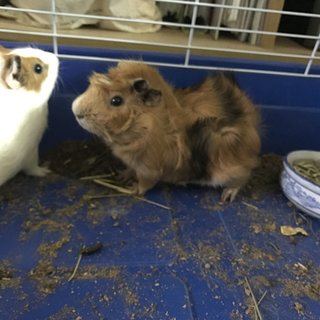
(189, 262)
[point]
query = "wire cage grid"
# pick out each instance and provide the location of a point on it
(305, 70)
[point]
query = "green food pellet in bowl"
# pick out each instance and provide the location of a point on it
(308, 168)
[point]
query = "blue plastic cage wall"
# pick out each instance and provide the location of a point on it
(289, 105)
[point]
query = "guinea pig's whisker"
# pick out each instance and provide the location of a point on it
(60, 81)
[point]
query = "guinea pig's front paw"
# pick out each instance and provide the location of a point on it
(144, 184)
(127, 175)
(141, 187)
(134, 189)
(38, 171)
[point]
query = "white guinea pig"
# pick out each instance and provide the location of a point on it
(27, 79)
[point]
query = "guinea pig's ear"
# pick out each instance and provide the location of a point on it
(99, 79)
(151, 97)
(4, 50)
(140, 85)
(12, 72)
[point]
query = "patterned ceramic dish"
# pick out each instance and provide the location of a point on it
(299, 190)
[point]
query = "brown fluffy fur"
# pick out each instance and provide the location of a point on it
(207, 134)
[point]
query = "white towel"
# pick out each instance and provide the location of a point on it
(135, 9)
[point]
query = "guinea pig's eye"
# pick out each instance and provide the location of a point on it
(37, 68)
(116, 101)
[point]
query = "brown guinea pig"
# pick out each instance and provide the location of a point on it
(207, 135)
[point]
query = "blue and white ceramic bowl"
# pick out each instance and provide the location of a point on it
(299, 190)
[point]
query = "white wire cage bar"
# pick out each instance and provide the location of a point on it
(189, 47)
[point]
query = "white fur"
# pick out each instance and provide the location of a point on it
(23, 119)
